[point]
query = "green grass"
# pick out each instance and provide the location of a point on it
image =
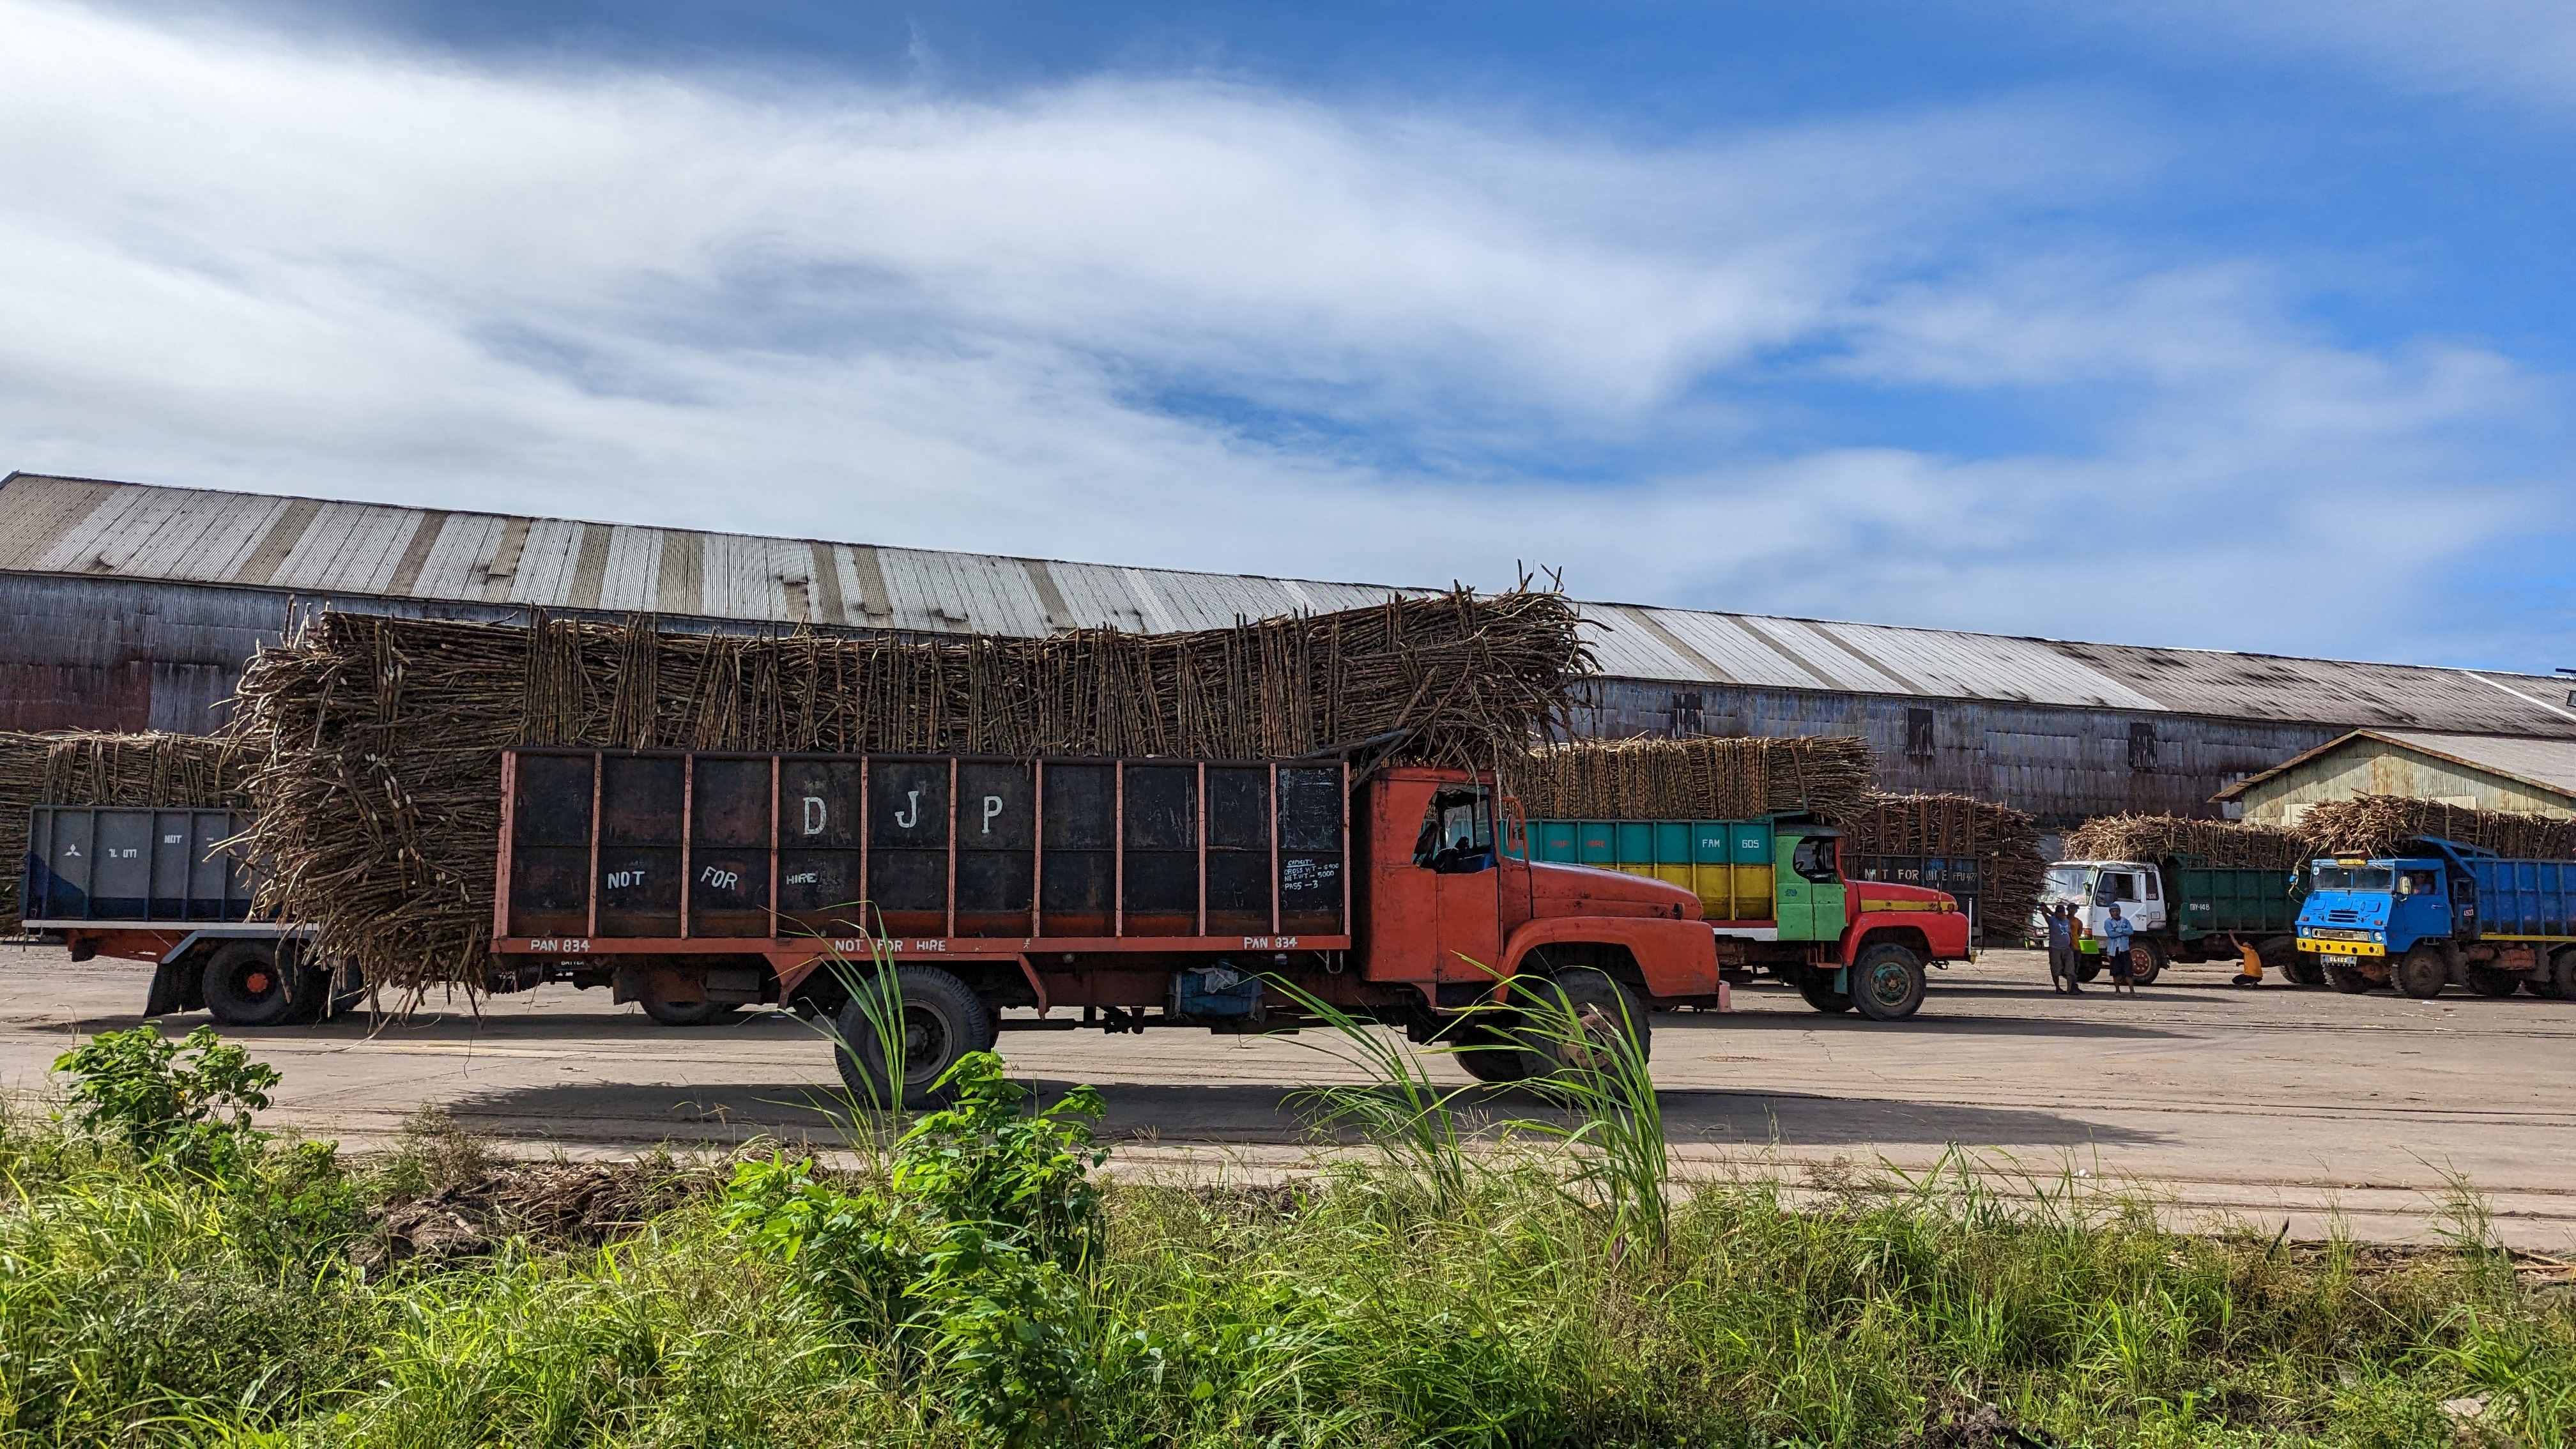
(1491, 1301)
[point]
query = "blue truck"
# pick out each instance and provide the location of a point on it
(2440, 914)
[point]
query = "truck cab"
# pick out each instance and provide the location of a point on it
(2360, 908)
(2093, 887)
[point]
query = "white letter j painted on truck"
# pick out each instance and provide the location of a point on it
(910, 815)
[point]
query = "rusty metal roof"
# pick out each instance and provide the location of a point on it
(316, 547)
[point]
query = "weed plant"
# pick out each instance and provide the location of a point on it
(977, 1283)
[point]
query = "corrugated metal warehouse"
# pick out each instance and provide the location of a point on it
(2484, 772)
(134, 607)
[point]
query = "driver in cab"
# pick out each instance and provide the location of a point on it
(1455, 839)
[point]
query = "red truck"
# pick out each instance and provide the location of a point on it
(1120, 894)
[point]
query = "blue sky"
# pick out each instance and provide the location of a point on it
(2192, 323)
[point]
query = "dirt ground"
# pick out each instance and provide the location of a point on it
(2272, 1105)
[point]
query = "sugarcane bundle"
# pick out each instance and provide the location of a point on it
(83, 768)
(1692, 779)
(2380, 824)
(2224, 843)
(379, 799)
(2004, 843)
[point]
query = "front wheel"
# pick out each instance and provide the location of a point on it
(1572, 1020)
(1485, 1049)
(2421, 973)
(1887, 982)
(2146, 962)
(911, 1034)
(2306, 970)
(2346, 979)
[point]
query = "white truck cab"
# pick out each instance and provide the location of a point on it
(2136, 887)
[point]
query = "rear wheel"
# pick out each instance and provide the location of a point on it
(2421, 973)
(1599, 1007)
(1818, 988)
(2488, 981)
(2345, 978)
(687, 1013)
(914, 1033)
(2559, 981)
(244, 986)
(1887, 982)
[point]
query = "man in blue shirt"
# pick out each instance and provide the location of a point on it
(2115, 952)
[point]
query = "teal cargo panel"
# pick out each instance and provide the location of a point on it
(1636, 842)
(1708, 842)
(1596, 842)
(1672, 842)
(1553, 839)
(1749, 842)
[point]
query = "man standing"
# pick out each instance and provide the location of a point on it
(2062, 965)
(2116, 932)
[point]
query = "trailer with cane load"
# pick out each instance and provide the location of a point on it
(1119, 894)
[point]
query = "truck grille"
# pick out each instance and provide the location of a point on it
(2328, 933)
(2343, 915)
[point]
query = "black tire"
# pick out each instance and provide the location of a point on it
(1600, 1003)
(244, 986)
(2488, 981)
(2345, 978)
(2305, 969)
(2421, 973)
(2146, 962)
(1887, 982)
(2091, 968)
(688, 1013)
(942, 1021)
(2558, 983)
(1817, 986)
(1484, 1049)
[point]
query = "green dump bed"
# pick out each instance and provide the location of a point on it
(2242, 900)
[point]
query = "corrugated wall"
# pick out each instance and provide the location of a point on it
(2061, 764)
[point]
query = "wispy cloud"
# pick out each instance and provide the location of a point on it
(1196, 323)
(2517, 52)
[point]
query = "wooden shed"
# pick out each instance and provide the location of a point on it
(2486, 772)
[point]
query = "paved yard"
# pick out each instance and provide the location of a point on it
(2276, 1104)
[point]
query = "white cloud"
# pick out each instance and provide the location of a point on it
(1181, 322)
(2520, 52)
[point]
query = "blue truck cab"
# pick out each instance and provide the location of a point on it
(2413, 920)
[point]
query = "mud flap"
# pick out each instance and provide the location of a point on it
(1842, 981)
(169, 993)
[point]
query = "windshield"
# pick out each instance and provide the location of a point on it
(2334, 877)
(2067, 883)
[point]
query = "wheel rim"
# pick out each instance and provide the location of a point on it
(925, 1046)
(1889, 984)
